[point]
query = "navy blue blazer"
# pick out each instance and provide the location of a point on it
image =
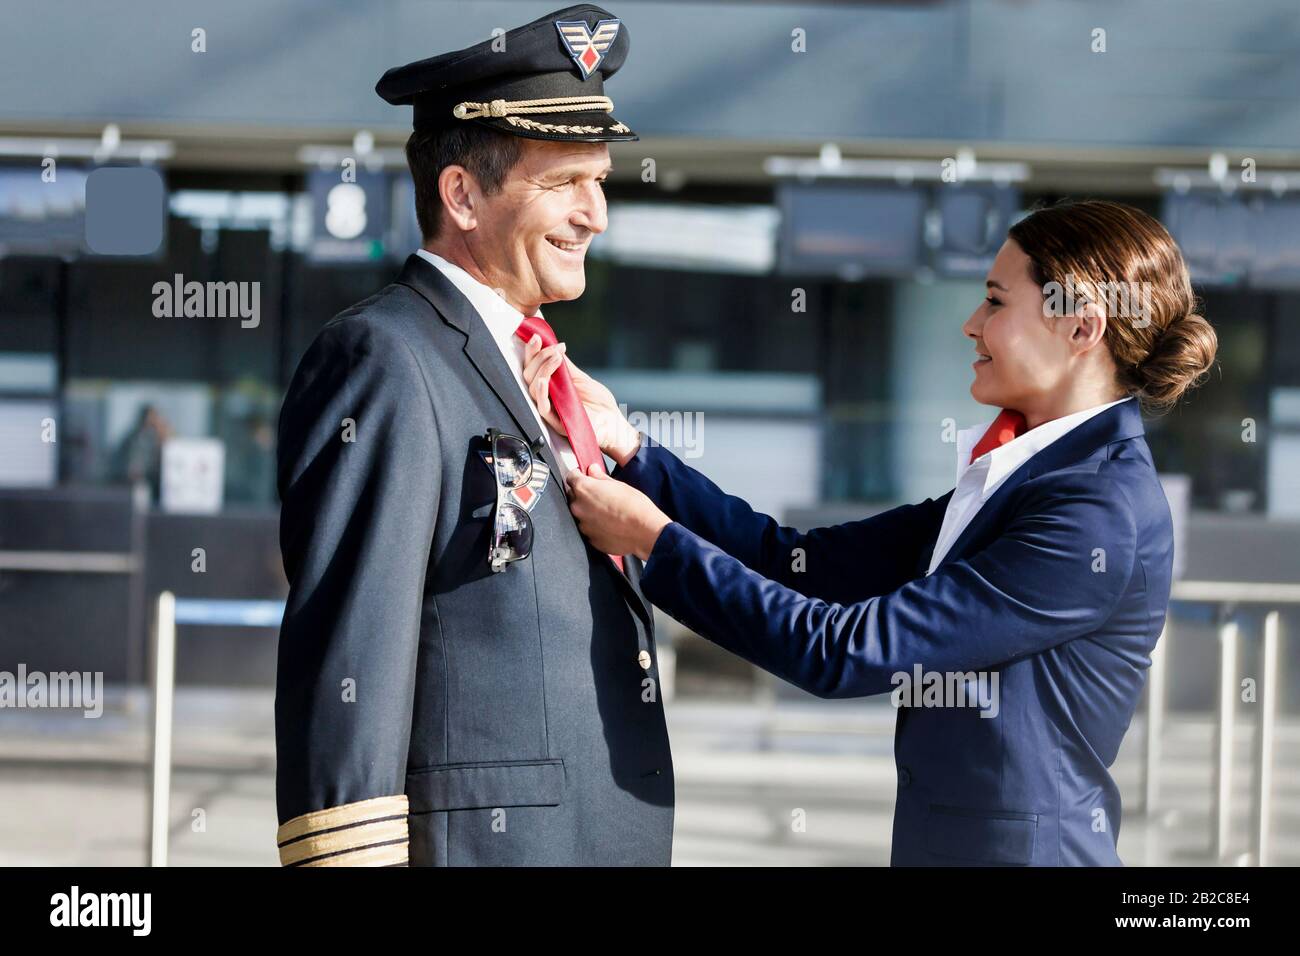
(1059, 585)
(427, 710)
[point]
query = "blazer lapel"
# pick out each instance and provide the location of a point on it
(632, 566)
(481, 349)
(1118, 423)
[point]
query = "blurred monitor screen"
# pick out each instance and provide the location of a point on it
(851, 231)
(40, 217)
(973, 225)
(1276, 227)
(699, 236)
(1214, 233)
(1230, 240)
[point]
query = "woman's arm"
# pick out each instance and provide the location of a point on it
(1033, 588)
(845, 563)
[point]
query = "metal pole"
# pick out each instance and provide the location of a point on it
(164, 685)
(1262, 802)
(137, 607)
(1155, 728)
(1222, 811)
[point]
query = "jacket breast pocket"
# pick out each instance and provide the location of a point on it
(491, 784)
(998, 837)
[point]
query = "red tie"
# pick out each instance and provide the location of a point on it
(568, 406)
(1006, 426)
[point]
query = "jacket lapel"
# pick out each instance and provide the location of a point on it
(482, 351)
(1118, 423)
(632, 569)
(480, 347)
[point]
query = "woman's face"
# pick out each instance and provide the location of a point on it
(1022, 356)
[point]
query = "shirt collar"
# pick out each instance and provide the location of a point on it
(1005, 459)
(501, 318)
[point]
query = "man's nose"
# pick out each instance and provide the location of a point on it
(591, 212)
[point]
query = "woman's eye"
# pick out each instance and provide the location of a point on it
(993, 300)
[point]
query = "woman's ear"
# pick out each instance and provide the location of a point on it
(457, 189)
(1087, 327)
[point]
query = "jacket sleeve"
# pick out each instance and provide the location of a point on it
(358, 475)
(847, 562)
(1036, 586)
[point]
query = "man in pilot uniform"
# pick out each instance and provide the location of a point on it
(462, 679)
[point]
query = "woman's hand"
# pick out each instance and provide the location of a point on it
(616, 437)
(614, 517)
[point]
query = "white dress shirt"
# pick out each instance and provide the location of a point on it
(978, 480)
(502, 321)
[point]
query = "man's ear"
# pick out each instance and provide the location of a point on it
(458, 192)
(1088, 327)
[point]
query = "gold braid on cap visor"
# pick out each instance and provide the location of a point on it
(510, 111)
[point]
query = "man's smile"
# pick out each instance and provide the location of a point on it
(567, 246)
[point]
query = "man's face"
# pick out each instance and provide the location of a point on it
(530, 239)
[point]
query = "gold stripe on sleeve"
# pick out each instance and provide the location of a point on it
(380, 822)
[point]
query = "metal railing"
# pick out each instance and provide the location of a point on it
(169, 612)
(1227, 597)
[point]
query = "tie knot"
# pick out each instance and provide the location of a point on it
(536, 325)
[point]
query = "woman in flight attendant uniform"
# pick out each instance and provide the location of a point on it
(1043, 577)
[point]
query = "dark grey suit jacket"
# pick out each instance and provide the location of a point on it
(426, 708)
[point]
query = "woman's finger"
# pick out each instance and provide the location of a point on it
(548, 369)
(540, 357)
(539, 392)
(573, 483)
(532, 346)
(531, 364)
(531, 349)
(540, 386)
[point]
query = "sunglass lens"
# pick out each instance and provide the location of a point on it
(513, 536)
(514, 462)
